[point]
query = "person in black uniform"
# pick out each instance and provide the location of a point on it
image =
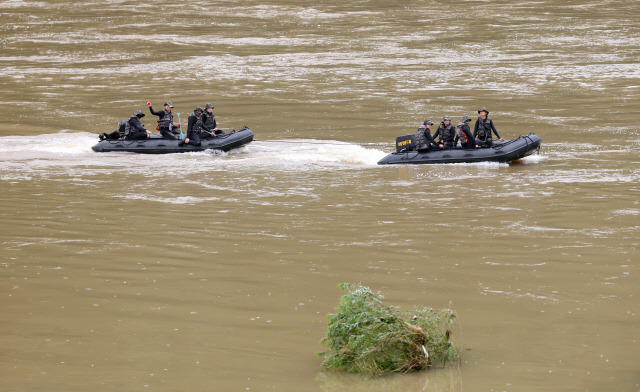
(209, 119)
(424, 140)
(133, 129)
(484, 127)
(165, 121)
(447, 132)
(195, 127)
(124, 128)
(463, 133)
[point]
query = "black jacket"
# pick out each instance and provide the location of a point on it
(491, 126)
(192, 121)
(161, 114)
(135, 125)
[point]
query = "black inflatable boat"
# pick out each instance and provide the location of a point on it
(507, 151)
(157, 145)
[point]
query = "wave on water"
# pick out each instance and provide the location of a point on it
(46, 146)
(74, 149)
(531, 159)
(311, 151)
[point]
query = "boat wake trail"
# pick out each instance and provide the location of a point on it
(46, 146)
(311, 151)
(74, 149)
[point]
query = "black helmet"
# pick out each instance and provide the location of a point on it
(428, 122)
(465, 119)
(168, 103)
(208, 106)
(483, 110)
(198, 109)
(446, 118)
(138, 113)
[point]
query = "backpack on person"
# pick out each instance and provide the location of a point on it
(122, 125)
(118, 133)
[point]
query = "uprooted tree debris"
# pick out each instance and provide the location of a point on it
(367, 336)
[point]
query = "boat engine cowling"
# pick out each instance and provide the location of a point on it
(406, 143)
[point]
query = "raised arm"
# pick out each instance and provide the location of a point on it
(160, 113)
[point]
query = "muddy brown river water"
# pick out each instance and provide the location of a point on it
(215, 272)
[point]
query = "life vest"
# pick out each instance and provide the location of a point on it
(421, 132)
(446, 133)
(209, 119)
(197, 126)
(461, 135)
(166, 121)
(484, 128)
(421, 139)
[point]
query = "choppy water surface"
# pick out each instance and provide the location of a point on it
(207, 271)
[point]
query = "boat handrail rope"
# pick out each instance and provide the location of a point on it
(499, 146)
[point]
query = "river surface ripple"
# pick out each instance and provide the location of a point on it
(215, 271)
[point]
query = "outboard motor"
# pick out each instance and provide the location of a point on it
(406, 143)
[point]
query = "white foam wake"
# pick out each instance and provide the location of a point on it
(74, 149)
(309, 152)
(46, 146)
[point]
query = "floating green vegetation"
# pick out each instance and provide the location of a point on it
(367, 336)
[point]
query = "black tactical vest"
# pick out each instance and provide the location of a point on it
(209, 119)
(484, 128)
(446, 133)
(197, 126)
(166, 121)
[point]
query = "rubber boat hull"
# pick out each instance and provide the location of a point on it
(158, 145)
(506, 151)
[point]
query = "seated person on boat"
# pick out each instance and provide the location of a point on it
(196, 128)
(447, 133)
(424, 140)
(463, 133)
(209, 119)
(165, 121)
(133, 129)
(125, 128)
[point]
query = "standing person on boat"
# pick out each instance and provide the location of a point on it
(209, 118)
(424, 140)
(484, 127)
(447, 132)
(165, 121)
(133, 129)
(463, 133)
(194, 128)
